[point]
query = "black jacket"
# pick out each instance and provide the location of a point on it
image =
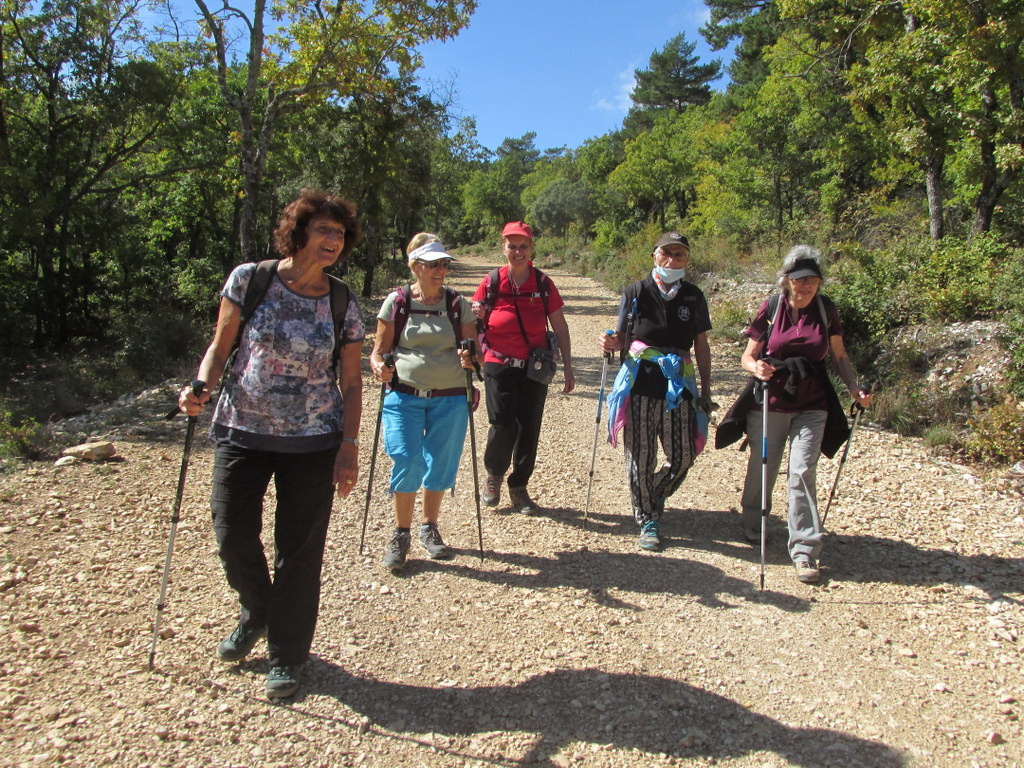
(837, 426)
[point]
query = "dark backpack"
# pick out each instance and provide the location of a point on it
(257, 289)
(400, 311)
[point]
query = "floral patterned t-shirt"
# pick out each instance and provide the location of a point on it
(282, 392)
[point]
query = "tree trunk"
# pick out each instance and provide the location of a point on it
(993, 182)
(933, 166)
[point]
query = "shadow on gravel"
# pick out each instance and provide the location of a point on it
(876, 559)
(627, 711)
(609, 576)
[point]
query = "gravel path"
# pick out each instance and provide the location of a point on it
(565, 646)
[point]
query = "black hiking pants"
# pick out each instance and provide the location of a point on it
(288, 601)
(515, 409)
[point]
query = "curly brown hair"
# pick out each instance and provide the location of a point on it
(290, 236)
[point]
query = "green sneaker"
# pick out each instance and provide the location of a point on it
(650, 536)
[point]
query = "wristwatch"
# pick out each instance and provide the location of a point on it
(353, 440)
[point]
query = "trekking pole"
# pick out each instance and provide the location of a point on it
(597, 427)
(389, 362)
(764, 475)
(197, 388)
(469, 345)
(856, 409)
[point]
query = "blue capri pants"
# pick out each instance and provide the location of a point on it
(424, 438)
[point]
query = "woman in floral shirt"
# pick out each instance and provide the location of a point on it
(284, 413)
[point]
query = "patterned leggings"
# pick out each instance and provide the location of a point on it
(648, 423)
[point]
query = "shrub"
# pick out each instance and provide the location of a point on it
(956, 278)
(997, 434)
(16, 436)
(898, 408)
(728, 319)
(941, 436)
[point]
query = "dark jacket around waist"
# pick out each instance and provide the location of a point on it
(837, 426)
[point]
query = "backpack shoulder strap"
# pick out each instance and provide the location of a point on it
(631, 296)
(773, 312)
(259, 282)
(825, 317)
(493, 280)
(453, 306)
(542, 288)
(340, 298)
(400, 312)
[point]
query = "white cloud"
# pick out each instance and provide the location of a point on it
(615, 98)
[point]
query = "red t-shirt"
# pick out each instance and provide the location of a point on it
(503, 332)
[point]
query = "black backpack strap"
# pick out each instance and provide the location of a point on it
(259, 282)
(340, 297)
(631, 298)
(825, 319)
(773, 310)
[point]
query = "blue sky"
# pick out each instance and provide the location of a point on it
(561, 68)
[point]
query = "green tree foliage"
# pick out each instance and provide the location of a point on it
(560, 204)
(937, 71)
(657, 176)
(755, 23)
(493, 194)
(315, 51)
(673, 81)
(78, 109)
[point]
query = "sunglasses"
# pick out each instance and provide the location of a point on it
(437, 264)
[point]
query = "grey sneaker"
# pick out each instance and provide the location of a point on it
(239, 643)
(650, 535)
(521, 499)
(492, 491)
(806, 569)
(283, 681)
(430, 538)
(397, 550)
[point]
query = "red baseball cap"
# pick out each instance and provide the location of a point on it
(517, 228)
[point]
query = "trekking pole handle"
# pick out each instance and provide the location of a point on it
(608, 332)
(197, 385)
(469, 345)
(857, 408)
(389, 360)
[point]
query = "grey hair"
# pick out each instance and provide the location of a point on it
(796, 253)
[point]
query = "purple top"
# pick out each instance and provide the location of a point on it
(807, 337)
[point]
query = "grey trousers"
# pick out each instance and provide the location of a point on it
(803, 431)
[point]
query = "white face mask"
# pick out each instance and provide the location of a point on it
(669, 275)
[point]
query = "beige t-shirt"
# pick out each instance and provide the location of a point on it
(427, 356)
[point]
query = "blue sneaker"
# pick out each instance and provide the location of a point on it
(649, 536)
